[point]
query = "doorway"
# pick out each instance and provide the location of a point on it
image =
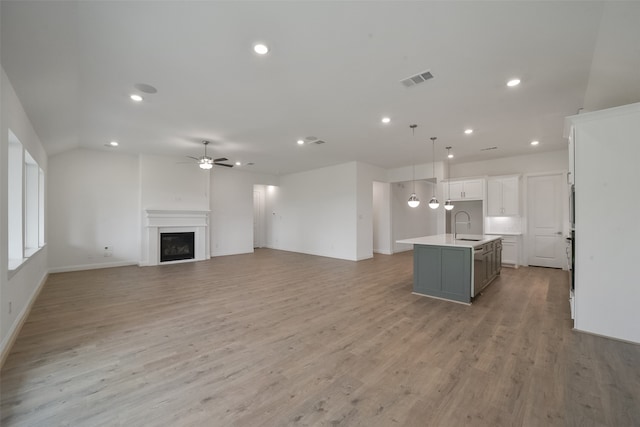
(258, 218)
(546, 246)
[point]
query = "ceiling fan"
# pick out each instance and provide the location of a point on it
(206, 162)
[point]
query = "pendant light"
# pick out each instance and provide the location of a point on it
(434, 203)
(448, 205)
(413, 202)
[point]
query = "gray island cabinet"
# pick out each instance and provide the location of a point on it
(454, 269)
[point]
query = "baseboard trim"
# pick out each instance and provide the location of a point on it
(7, 343)
(92, 266)
(382, 251)
(582, 331)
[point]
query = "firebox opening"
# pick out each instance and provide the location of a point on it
(177, 246)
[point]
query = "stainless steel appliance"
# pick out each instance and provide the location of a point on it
(572, 207)
(571, 258)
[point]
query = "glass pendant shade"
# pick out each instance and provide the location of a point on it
(206, 165)
(448, 205)
(434, 203)
(413, 202)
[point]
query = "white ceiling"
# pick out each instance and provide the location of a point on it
(333, 72)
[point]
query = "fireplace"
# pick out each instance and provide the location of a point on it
(177, 246)
(172, 223)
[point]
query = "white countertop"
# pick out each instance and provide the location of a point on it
(506, 233)
(448, 240)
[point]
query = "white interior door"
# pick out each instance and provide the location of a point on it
(258, 218)
(544, 201)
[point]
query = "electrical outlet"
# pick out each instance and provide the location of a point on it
(108, 251)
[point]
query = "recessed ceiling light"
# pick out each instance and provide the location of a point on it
(238, 164)
(136, 97)
(300, 142)
(113, 143)
(386, 120)
(468, 131)
(513, 82)
(260, 49)
(535, 142)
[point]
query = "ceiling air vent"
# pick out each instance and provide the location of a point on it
(417, 79)
(488, 148)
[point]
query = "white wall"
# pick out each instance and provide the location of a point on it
(548, 161)
(412, 222)
(22, 285)
(94, 202)
(614, 78)
(475, 210)
(167, 183)
(366, 175)
(382, 218)
(232, 209)
(315, 212)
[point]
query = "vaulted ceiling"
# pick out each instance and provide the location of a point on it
(332, 72)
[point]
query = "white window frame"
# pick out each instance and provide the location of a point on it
(25, 207)
(15, 186)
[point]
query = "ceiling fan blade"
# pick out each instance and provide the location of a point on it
(194, 158)
(221, 159)
(223, 164)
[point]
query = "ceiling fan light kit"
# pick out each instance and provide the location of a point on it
(205, 162)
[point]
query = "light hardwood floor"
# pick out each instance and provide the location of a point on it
(277, 338)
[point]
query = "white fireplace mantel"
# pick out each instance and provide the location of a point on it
(171, 221)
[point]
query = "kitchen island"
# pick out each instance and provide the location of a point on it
(454, 269)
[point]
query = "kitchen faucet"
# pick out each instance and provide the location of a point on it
(455, 221)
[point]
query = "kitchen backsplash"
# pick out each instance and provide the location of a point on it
(503, 224)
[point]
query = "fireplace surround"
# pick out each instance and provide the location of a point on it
(159, 221)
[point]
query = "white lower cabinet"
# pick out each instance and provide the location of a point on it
(510, 250)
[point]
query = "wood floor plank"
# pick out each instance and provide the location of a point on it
(284, 339)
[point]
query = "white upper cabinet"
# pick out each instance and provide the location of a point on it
(471, 189)
(503, 196)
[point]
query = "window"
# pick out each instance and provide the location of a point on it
(14, 214)
(31, 201)
(41, 239)
(25, 204)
